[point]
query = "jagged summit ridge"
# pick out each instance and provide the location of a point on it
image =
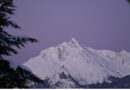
(85, 65)
(63, 48)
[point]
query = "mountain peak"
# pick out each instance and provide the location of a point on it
(69, 47)
(74, 43)
(74, 40)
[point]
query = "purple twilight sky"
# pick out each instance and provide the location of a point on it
(100, 24)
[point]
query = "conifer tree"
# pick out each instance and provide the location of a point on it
(8, 41)
(128, 1)
(12, 77)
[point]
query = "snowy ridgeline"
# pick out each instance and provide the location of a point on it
(71, 62)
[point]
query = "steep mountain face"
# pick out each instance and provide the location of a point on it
(14, 76)
(72, 64)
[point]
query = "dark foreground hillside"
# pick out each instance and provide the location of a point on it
(16, 77)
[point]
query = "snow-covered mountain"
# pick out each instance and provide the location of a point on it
(71, 64)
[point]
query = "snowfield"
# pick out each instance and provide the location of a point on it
(71, 62)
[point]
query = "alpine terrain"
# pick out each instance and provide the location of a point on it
(73, 65)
